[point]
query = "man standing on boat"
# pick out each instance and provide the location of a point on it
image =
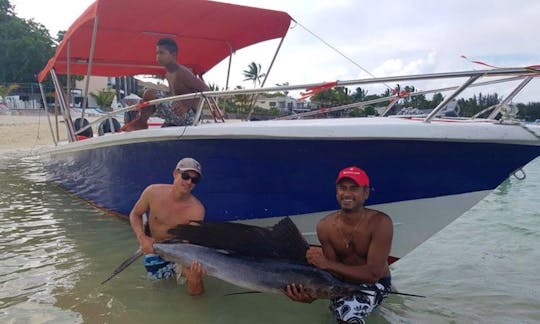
(169, 205)
(355, 244)
(181, 81)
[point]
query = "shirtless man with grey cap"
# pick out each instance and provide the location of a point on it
(169, 205)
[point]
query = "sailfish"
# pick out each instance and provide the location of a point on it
(259, 259)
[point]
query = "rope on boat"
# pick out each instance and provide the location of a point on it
(509, 117)
(37, 135)
(339, 52)
(533, 133)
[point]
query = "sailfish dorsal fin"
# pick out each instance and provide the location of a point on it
(281, 241)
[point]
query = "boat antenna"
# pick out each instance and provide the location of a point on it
(338, 51)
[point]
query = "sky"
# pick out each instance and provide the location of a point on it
(383, 37)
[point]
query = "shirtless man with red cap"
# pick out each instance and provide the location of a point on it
(355, 244)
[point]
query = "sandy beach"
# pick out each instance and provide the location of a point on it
(27, 132)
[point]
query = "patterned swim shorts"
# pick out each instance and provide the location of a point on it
(158, 268)
(170, 118)
(353, 309)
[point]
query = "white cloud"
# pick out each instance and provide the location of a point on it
(383, 36)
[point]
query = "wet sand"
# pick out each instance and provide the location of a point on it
(27, 132)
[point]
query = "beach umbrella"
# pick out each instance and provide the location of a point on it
(132, 96)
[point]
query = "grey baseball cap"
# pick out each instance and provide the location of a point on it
(187, 164)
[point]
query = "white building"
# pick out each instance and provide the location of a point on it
(283, 103)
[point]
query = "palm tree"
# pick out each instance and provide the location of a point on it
(104, 99)
(5, 91)
(242, 101)
(359, 94)
(213, 87)
(284, 84)
(254, 73)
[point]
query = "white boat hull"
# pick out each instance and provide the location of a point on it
(411, 228)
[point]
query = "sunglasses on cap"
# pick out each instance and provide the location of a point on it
(185, 176)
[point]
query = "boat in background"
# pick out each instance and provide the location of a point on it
(425, 172)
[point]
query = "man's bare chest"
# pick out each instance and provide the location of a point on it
(177, 85)
(352, 245)
(169, 212)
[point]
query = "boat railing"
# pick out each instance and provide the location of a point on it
(209, 98)
(394, 98)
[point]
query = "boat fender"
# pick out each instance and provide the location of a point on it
(80, 123)
(105, 126)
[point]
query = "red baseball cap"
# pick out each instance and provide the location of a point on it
(355, 174)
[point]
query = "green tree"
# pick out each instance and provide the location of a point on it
(332, 97)
(473, 105)
(213, 87)
(407, 101)
(284, 84)
(530, 111)
(273, 111)
(242, 101)
(363, 112)
(254, 73)
(25, 46)
(437, 99)
(370, 111)
(104, 99)
(359, 94)
(5, 8)
(60, 35)
(469, 106)
(488, 100)
(5, 90)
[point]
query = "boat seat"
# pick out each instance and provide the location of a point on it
(80, 123)
(105, 126)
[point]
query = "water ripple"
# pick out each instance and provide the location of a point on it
(55, 249)
(36, 257)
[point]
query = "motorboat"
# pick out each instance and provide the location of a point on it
(425, 171)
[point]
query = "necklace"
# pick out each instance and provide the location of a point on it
(348, 242)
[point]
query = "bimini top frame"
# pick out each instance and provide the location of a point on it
(100, 44)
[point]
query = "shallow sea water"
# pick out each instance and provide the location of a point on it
(55, 249)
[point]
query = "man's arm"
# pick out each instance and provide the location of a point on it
(297, 292)
(191, 81)
(198, 214)
(184, 81)
(195, 272)
(135, 219)
(198, 84)
(378, 251)
(323, 234)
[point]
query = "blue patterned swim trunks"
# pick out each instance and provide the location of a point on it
(158, 268)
